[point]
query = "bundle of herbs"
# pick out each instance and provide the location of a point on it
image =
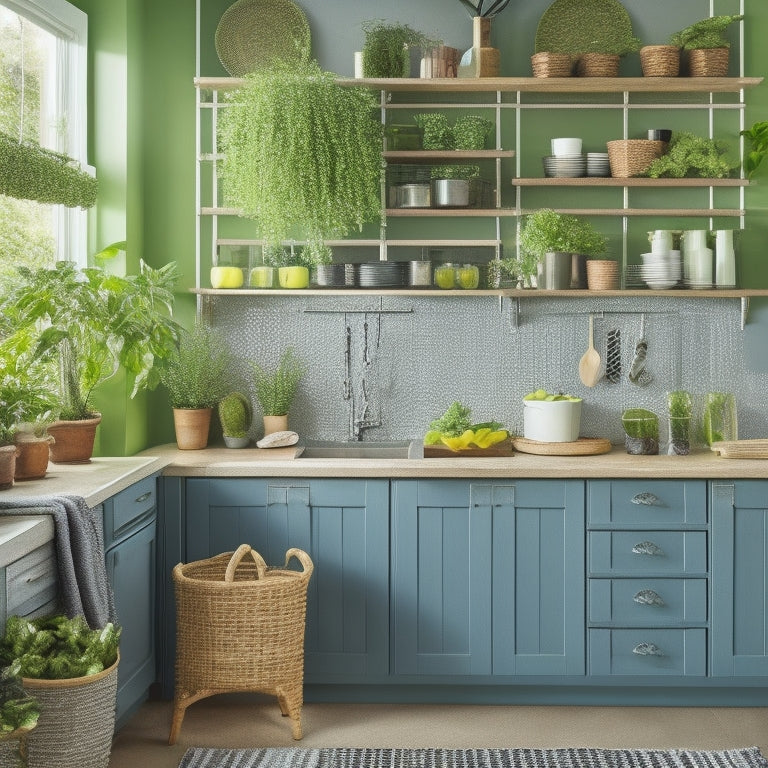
(56, 647)
(17, 708)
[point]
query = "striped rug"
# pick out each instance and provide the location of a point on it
(273, 757)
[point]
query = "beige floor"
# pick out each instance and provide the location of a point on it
(241, 721)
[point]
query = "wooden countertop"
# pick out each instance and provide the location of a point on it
(253, 462)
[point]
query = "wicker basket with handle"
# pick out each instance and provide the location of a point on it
(240, 627)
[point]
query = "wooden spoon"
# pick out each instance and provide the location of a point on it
(589, 365)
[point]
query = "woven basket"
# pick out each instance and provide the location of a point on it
(708, 62)
(602, 275)
(660, 60)
(76, 723)
(631, 157)
(240, 627)
(598, 65)
(546, 64)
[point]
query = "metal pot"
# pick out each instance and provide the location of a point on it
(451, 193)
(412, 196)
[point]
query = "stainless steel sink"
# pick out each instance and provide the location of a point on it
(364, 449)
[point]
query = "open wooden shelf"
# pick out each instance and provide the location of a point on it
(430, 155)
(610, 181)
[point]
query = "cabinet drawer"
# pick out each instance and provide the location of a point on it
(629, 553)
(125, 509)
(30, 581)
(638, 502)
(648, 652)
(647, 602)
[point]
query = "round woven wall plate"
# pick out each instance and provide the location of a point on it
(579, 26)
(253, 34)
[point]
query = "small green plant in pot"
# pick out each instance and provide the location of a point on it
(196, 376)
(236, 415)
(386, 51)
(437, 133)
(641, 431)
(680, 411)
(276, 389)
(471, 131)
(706, 46)
(689, 155)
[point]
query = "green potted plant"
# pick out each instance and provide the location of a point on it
(437, 133)
(690, 155)
(196, 376)
(641, 431)
(235, 415)
(471, 131)
(71, 670)
(706, 46)
(302, 154)
(89, 323)
(387, 46)
(451, 185)
(276, 389)
(680, 410)
(602, 60)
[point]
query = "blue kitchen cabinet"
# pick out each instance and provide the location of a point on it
(488, 577)
(344, 526)
(739, 578)
(130, 538)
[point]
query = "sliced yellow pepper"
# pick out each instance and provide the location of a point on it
(459, 443)
(490, 437)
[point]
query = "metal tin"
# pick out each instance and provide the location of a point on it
(451, 193)
(420, 274)
(413, 196)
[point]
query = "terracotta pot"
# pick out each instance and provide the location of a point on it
(73, 440)
(275, 424)
(7, 465)
(192, 426)
(32, 461)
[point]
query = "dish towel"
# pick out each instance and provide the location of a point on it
(83, 584)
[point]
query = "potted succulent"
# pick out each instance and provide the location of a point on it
(691, 155)
(235, 415)
(71, 670)
(706, 46)
(302, 154)
(196, 376)
(387, 46)
(276, 389)
(89, 323)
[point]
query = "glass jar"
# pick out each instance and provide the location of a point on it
(467, 276)
(230, 266)
(262, 276)
(445, 276)
(720, 417)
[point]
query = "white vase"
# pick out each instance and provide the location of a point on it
(725, 259)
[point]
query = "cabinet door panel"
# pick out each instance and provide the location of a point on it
(740, 578)
(644, 502)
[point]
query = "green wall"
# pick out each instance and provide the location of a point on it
(142, 129)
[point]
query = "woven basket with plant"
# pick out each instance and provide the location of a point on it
(548, 64)
(633, 157)
(660, 60)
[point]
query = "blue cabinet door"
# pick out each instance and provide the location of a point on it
(488, 577)
(343, 525)
(739, 578)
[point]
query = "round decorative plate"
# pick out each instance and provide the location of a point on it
(581, 26)
(253, 34)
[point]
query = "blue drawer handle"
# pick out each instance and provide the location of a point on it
(647, 649)
(143, 497)
(646, 499)
(648, 597)
(647, 548)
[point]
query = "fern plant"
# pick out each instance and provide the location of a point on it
(276, 389)
(302, 154)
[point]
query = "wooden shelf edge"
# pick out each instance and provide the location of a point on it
(610, 181)
(414, 155)
(449, 212)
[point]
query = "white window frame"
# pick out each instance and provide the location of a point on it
(70, 101)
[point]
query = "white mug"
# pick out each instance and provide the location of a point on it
(661, 241)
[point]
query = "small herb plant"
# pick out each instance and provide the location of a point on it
(680, 410)
(641, 428)
(55, 647)
(436, 130)
(276, 389)
(196, 374)
(385, 51)
(302, 154)
(235, 414)
(471, 131)
(707, 33)
(545, 231)
(719, 422)
(757, 138)
(692, 156)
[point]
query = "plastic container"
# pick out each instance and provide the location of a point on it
(552, 421)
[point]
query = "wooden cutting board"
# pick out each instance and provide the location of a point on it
(741, 449)
(584, 446)
(504, 448)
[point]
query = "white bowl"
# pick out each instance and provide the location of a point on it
(566, 147)
(552, 421)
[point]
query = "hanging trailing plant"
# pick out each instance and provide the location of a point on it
(302, 154)
(30, 172)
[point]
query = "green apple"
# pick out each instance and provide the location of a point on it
(226, 277)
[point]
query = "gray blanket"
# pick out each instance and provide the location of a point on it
(84, 588)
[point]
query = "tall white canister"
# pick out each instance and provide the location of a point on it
(725, 259)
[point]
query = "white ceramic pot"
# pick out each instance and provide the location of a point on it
(552, 421)
(566, 147)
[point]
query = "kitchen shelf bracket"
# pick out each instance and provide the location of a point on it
(744, 311)
(514, 311)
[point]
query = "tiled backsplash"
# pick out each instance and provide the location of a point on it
(413, 356)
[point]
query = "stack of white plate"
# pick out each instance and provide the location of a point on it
(565, 166)
(597, 164)
(661, 270)
(382, 274)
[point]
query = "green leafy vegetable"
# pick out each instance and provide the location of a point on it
(454, 421)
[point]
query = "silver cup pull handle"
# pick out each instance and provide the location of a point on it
(647, 548)
(648, 597)
(647, 649)
(645, 498)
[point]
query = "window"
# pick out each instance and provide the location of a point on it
(43, 98)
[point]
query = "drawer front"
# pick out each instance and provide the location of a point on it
(30, 581)
(647, 602)
(648, 652)
(659, 502)
(124, 510)
(629, 553)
